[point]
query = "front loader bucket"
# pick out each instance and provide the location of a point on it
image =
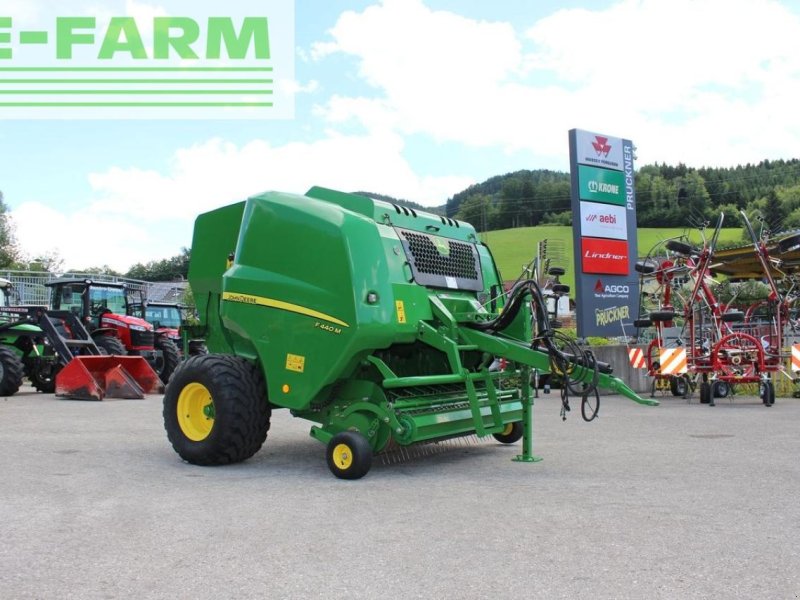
(97, 377)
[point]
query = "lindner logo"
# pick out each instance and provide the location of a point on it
(604, 256)
(122, 62)
(601, 145)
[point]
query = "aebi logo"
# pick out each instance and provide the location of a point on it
(610, 219)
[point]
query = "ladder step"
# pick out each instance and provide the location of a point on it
(70, 342)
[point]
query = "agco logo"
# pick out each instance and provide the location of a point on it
(601, 145)
(600, 288)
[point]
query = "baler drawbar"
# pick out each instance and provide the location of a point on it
(376, 322)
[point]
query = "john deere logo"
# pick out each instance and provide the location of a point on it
(442, 246)
(192, 59)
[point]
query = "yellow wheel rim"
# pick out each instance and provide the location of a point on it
(195, 412)
(509, 428)
(342, 456)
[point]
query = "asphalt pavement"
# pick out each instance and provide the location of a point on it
(679, 501)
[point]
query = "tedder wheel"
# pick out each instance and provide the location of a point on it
(766, 391)
(556, 271)
(661, 316)
(705, 393)
(11, 370)
(111, 344)
(721, 389)
(511, 433)
(678, 386)
(679, 247)
(169, 359)
(216, 410)
(349, 455)
(560, 288)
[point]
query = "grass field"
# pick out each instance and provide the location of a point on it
(514, 248)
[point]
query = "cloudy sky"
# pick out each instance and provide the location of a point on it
(418, 99)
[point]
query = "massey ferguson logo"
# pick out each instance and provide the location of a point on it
(601, 146)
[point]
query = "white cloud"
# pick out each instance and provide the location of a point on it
(698, 81)
(137, 215)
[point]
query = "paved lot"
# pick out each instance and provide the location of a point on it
(680, 501)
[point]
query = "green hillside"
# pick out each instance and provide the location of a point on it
(513, 248)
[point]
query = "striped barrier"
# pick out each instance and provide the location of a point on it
(795, 357)
(636, 356)
(673, 361)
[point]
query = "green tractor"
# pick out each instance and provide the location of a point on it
(24, 349)
(375, 322)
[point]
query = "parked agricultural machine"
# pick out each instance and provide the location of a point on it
(169, 320)
(718, 346)
(375, 322)
(105, 309)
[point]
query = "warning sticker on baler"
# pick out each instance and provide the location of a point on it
(295, 363)
(401, 311)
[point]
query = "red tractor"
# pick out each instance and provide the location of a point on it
(167, 319)
(103, 307)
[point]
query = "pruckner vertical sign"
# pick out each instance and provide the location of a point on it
(120, 59)
(604, 231)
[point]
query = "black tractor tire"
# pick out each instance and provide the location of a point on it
(196, 348)
(11, 370)
(169, 360)
(642, 323)
(512, 433)
(43, 376)
(678, 386)
(224, 411)
(680, 247)
(662, 316)
(349, 455)
(111, 345)
(560, 288)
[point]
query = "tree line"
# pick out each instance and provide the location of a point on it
(666, 196)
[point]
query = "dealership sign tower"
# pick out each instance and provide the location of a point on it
(604, 232)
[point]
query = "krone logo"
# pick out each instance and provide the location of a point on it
(593, 186)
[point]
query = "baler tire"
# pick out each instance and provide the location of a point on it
(238, 399)
(170, 357)
(512, 433)
(11, 370)
(112, 345)
(349, 455)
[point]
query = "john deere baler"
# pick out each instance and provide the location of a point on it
(376, 322)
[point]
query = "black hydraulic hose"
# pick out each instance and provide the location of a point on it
(563, 359)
